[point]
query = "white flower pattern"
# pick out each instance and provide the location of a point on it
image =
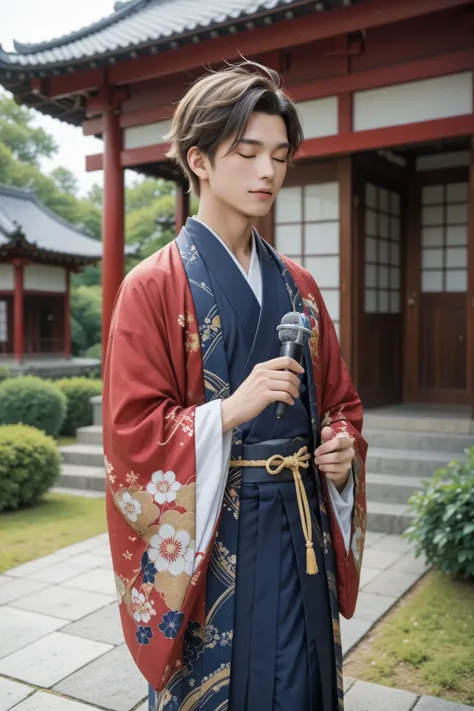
(163, 487)
(131, 508)
(142, 609)
(172, 550)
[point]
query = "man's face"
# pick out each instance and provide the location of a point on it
(249, 178)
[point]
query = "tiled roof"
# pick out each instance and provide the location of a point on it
(140, 24)
(26, 221)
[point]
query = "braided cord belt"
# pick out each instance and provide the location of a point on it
(274, 465)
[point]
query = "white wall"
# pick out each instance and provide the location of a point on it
(41, 277)
(412, 102)
(7, 278)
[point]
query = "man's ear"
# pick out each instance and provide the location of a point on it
(198, 163)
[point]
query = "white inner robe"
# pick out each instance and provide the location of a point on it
(213, 448)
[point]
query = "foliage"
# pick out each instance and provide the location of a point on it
(29, 400)
(86, 318)
(425, 645)
(444, 526)
(29, 465)
(26, 142)
(5, 373)
(78, 392)
(22, 148)
(58, 520)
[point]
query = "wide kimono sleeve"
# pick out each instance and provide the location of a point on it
(152, 386)
(341, 409)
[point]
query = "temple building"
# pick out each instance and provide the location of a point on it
(38, 252)
(380, 206)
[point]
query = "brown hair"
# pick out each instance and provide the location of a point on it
(219, 104)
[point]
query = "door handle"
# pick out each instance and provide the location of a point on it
(412, 299)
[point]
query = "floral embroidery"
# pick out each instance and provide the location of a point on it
(171, 623)
(210, 328)
(131, 508)
(193, 642)
(144, 634)
(142, 609)
(131, 478)
(191, 342)
(163, 487)
(172, 550)
(148, 569)
(214, 637)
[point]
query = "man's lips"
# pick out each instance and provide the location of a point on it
(261, 192)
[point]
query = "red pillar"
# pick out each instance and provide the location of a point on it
(182, 205)
(67, 316)
(112, 221)
(18, 313)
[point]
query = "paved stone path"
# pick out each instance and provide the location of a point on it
(62, 649)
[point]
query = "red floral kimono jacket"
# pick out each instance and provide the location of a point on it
(153, 382)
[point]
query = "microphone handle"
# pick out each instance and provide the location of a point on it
(295, 351)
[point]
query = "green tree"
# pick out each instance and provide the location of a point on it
(86, 318)
(65, 180)
(27, 142)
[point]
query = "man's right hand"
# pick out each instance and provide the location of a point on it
(273, 381)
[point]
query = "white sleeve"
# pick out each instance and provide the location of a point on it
(342, 505)
(212, 465)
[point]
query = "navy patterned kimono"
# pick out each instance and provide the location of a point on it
(269, 627)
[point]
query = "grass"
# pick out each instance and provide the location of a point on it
(425, 645)
(66, 441)
(57, 521)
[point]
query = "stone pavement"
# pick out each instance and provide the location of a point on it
(62, 649)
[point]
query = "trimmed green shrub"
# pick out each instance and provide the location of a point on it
(29, 400)
(444, 525)
(29, 465)
(5, 373)
(78, 392)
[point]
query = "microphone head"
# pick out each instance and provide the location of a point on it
(295, 327)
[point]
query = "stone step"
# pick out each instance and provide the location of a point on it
(391, 488)
(87, 455)
(417, 441)
(442, 423)
(81, 478)
(406, 462)
(388, 517)
(89, 435)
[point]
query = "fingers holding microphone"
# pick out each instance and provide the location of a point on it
(275, 380)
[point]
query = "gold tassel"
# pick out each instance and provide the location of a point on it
(311, 565)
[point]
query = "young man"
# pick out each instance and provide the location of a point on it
(236, 536)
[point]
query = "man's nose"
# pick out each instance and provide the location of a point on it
(266, 167)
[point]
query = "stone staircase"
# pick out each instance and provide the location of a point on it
(403, 451)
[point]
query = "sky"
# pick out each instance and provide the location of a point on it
(37, 20)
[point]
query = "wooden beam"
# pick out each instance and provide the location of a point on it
(344, 113)
(425, 68)
(113, 223)
(371, 13)
(347, 266)
(93, 127)
(470, 294)
(70, 84)
(94, 162)
(146, 154)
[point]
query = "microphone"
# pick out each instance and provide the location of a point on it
(294, 332)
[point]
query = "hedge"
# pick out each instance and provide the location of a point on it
(443, 529)
(29, 400)
(78, 392)
(29, 465)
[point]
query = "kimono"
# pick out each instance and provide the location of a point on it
(217, 608)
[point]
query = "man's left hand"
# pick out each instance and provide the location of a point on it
(334, 457)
